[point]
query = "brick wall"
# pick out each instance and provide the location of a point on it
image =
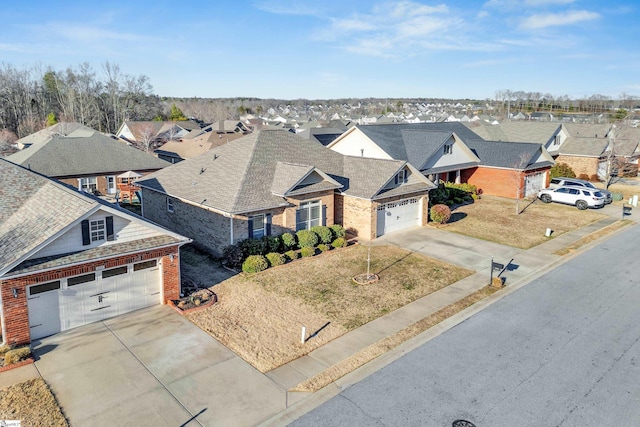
(580, 165)
(357, 216)
(499, 182)
(15, 313)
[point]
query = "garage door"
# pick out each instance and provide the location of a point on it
(398, 215)
(534, 183)
(76, 301)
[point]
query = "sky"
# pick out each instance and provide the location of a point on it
(293, 49)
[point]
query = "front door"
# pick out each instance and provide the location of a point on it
(111, 184)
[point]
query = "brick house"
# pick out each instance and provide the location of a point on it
(86, 160)
(68, 259)
(450, 152)
(273, 181)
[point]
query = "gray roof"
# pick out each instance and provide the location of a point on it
(33, 209)
(60, 129)
(519, 131)
(238, 177)
(416, 142)
(88, 155)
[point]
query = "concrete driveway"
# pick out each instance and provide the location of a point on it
(153, 368)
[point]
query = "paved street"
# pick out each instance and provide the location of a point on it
(561, 351)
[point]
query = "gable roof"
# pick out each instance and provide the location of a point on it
(413, 142)
(85, 155)
(34, 209)
(60, 129)
(519, 131)
(238, 177)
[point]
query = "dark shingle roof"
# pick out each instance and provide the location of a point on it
(75, 156)
(238, 177)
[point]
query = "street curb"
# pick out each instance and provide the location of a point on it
(316, 399)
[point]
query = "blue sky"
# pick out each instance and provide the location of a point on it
(338, 49)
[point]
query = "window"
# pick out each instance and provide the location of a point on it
(258, 226)
(169, 205)
(81, 279)
(448, 148)
(144, 265)
(89, 185)
(38, 289)
(114, 272)
(308, 215)
(97, 229)
(401, 177)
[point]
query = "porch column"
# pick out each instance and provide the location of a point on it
(458, 176)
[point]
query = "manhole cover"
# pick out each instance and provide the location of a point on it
(462, 423)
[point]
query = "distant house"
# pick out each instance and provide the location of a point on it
(270, 182)
(450, 152)
(550, 134)
(323, 135)
(68, 258)
(86, 159)
(59, 129)
(154, 133)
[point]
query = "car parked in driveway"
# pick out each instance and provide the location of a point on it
(580, 197)
(575, 182)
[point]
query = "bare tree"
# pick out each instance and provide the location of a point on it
(7, 139)
(146, 137)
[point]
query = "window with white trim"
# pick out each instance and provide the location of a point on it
(88, 185)
(448, 148)
(259, 226)
(169, 205)
(401, 177)
(97, 229)
(309, 215)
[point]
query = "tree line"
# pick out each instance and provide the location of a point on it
(32, 98)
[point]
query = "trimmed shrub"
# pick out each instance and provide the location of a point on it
(583, 176)
(306, 239)
(324, 233)
(288, 241)
(440, 214)
(233, 256)
(17, 355)
(594, 178)
(338, 230)
(561, 170)
(292, 255)
(271, 243)
(307, 251)
(340, 242)
(323, 247)
(275, 259)
(254, 264)
(252, 247)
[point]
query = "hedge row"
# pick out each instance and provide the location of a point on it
(235, 255)
(257, 263)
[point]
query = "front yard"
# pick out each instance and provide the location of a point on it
(495, 219)
(260, 316)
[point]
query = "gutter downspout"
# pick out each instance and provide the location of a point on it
(231, 228)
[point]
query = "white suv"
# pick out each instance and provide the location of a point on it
(575, 182)
(580, 197)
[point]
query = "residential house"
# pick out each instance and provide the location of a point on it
(323, 135)
(59, 129)
(68, 258)
(550, 134)
(273, 181)
(151, 134)
(450, 152)
(89, 161)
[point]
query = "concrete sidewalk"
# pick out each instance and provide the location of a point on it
(452, 248)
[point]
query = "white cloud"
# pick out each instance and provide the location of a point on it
(557, 19)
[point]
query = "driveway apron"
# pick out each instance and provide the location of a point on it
(153, 368)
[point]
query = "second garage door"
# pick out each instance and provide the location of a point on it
(76, 301)
(398, 215)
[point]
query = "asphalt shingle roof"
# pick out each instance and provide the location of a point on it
(75, 156)
(413, 142)
(238, 177)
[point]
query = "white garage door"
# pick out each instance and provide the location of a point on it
(534, 183)
(398, 215)
(76, 301)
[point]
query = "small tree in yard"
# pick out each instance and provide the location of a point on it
(561, 170)
(440, 214)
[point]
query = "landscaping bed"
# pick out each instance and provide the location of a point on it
(260, 316)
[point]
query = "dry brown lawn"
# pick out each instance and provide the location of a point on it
(495, 219)
(32, 403)
(364, 356)
(593, 236)
(260, 316)
(627, 190)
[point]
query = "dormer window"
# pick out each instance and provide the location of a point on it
(448, 148)
(401, 177)
(97, 230)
